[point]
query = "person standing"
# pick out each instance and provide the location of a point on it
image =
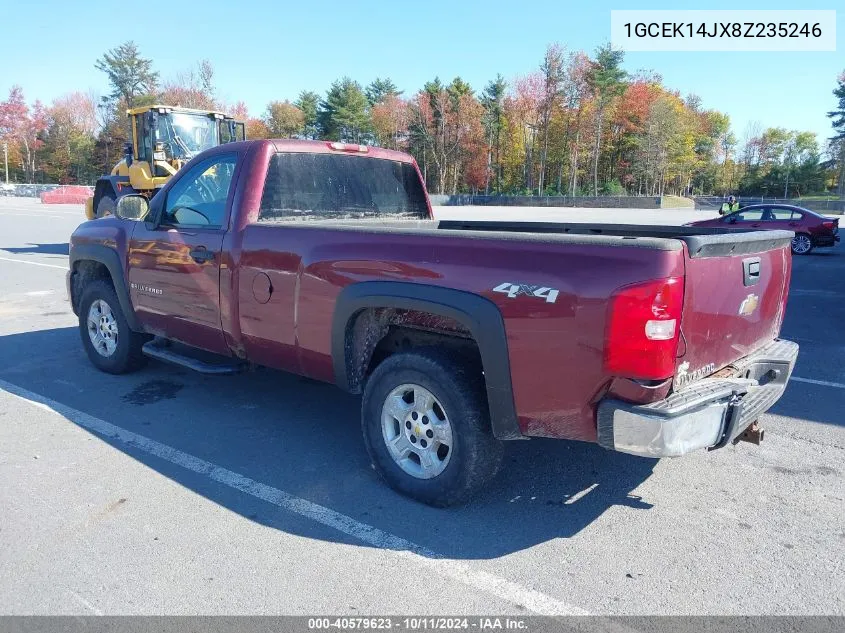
(730, 206)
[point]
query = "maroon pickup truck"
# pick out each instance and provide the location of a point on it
(323, 259)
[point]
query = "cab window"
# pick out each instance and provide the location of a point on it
(199, 197)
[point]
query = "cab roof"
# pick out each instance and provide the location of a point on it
(170, 108)
(333, 147)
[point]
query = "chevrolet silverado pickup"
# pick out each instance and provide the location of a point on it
(324, 259)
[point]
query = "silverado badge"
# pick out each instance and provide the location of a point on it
(685, 376)
(748, 305)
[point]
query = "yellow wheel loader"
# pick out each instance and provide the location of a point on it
(162, 139)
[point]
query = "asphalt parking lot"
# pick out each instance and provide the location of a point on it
(168, 492)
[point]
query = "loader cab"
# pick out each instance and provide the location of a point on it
(230, 130)
(166, 138)
(161, 140)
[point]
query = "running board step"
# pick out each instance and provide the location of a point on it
(164, 352)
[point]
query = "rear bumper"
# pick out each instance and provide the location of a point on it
(708, 414)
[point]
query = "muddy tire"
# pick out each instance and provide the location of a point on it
(109, 342)
(427, 428)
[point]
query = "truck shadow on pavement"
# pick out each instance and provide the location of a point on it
(304, 438)
(61, 248)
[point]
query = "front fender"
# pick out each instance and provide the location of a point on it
(110, 259)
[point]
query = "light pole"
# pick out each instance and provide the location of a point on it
(6, 159)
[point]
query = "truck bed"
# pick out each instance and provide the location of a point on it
(700, 241)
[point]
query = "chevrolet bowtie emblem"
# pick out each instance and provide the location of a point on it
(749, 305)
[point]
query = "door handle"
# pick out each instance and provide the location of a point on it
(201, 255)
(756, 224)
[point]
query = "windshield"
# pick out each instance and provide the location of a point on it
(318, 186)
(185, 135)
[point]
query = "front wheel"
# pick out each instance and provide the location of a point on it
(109, 342)
(427, 428)
(801, 244)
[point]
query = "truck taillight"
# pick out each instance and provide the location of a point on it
(643, 329)
(349, 147)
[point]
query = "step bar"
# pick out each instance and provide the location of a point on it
(161, 350)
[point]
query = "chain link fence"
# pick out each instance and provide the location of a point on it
(713, 203)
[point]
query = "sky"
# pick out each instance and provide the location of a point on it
(264, 50)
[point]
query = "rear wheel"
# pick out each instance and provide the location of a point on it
(801, 244)
(109, 342)
(105, 206)
(427, 428)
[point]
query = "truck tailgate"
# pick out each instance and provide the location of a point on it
(735, 293)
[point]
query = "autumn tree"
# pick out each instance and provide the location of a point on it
(68, 152)
(256, 129)
(283, 119)
(21, 127)
(390, 118)
(343, 115)
(130, 75)
(192, 88)
(524, 114)
(577, 102)
(238, 111)
(446, 135)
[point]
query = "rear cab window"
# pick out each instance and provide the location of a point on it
(313, 186)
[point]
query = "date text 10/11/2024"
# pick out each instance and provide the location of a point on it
(418, 623)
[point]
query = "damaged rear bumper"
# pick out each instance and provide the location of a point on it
(708, 414)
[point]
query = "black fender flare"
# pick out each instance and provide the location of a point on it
(113, 186)
(110, 259)
(479, 315)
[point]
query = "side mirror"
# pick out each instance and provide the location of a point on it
(132, 207)
(732, 220)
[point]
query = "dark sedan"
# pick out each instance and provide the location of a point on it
(811, 229)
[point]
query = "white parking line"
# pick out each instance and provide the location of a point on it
(823, 383)
(22, 261)
(514, 593)
(579, 495)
